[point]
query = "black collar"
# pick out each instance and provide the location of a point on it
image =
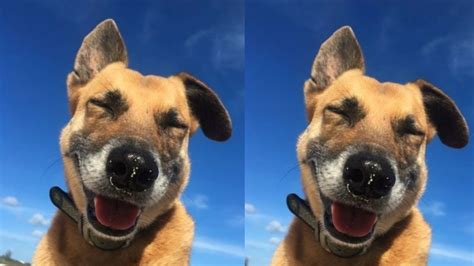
(300, 209)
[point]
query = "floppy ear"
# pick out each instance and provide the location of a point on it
(102, 46)
(338, 54)
(444, 115)
(207, 108)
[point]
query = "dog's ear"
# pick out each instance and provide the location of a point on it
(102, 46)
(444, 115)
(207, 108)
(338, 54)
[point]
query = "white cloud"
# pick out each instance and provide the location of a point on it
(226, 44)
(10, 201)
(236, 221)
(37, 233)
(275, 227)
(254, 216)
(274, 240)
(38, 219)
(462, 57)
(198, 201)
(197, 37)
(13, 206)
(254, 244)
(387, 26)
(229, 49)
(431, 46)
(250, 208)
(458, 51)
(452, 253)
(17, 237)
(219, 247)
(435, 208)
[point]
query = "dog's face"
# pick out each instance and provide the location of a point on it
(126, 147)
(362, 155)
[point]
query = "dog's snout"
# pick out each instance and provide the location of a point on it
(369, 176)
(131, 169)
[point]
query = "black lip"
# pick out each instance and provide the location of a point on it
(91, 217)
(329, 226)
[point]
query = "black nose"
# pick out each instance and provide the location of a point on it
(369, 176)
(131, 169)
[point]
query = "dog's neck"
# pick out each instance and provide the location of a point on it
(300, 209)
(64, 202)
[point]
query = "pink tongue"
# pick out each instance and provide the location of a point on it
(352, 221)
(115, 214)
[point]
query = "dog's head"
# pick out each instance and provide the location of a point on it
(125, 148)
(362, 155)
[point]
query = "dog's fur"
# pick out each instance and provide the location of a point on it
(349, 112)
(112, 105)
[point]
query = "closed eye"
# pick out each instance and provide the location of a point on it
(408, 126)
(176, 124)
(112, 102)
(349, 109)
(413, 131)
(171, 119)
(340, 111)
(101, 104)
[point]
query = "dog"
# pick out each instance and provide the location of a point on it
(362, 161)
(125, 153)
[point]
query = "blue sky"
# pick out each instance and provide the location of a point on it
(401, 42)
(39, 40)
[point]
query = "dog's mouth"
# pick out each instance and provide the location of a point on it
(345, 222)
(112, 216)
(348, 223)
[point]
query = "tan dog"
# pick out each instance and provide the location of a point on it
(126, 162)
(362, 159)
